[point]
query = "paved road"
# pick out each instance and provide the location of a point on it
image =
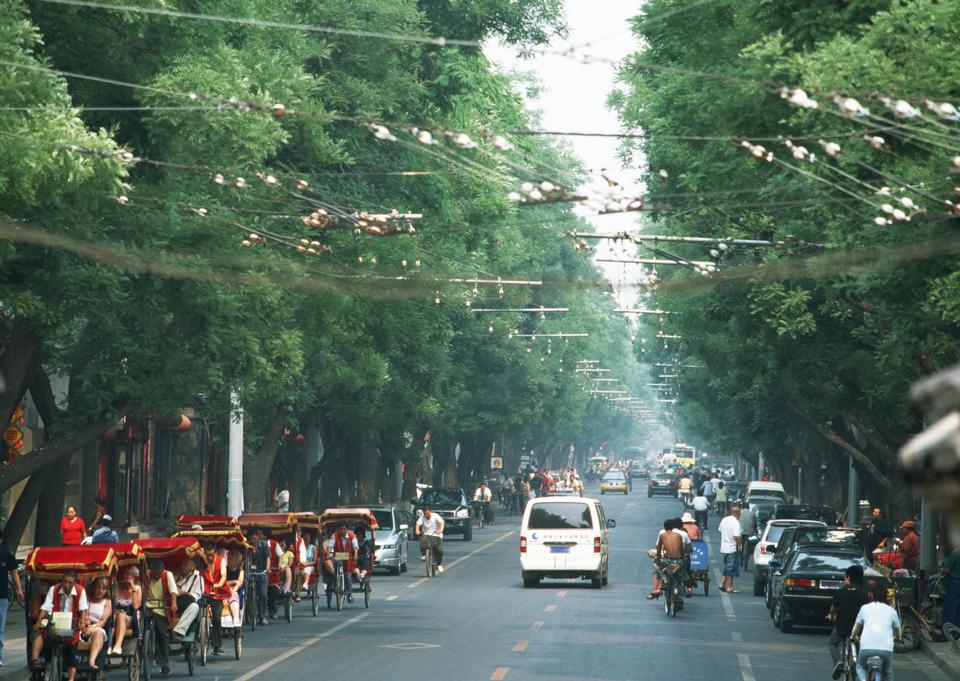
(476, 622)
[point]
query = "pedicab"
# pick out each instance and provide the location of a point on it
(45, 567)
(172, 552)
(227, 540)
(282, 527)
(356, 518)
(700, 564)
(308, 523)
(128, 555)
(206, 522)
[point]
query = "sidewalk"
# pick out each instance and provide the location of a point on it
(945, 655)
(15, 649)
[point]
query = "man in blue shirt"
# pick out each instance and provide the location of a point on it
(104, 534)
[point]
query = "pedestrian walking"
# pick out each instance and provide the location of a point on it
(281, 499)
(8, 569)
(748, 528)
(730, 550)
(721, 494)
(72, 528)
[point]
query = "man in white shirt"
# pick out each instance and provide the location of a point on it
(281, 499)
(730, 550)
(63, 597)
(877, 626)
(189, 593)
(483, 496)
(429, 528)
(701, 506)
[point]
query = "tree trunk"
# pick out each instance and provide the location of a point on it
(50, 509)
(19, 356)
(25, 506)
(257, 466)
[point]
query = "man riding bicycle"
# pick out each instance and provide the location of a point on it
(843, 613)
(429, 528)
(345, 541)
(482, 498)
(670, 550)
(686, 487)
(66, 596)
(877, 627)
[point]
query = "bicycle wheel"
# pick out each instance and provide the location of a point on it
(54, 669)
(366, 592)
(288, 607)
(933, 615)
(237, 642)
(341, 587)
(315, 599)
(15, 601)
(428, 561)
(134, 664)
(203, 636)
(148, 650)
(190, 654)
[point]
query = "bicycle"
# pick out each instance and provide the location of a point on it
(874, 666)
(673, 596)
(14, 600)
(429, 561)
(849, 660)
(480, 510)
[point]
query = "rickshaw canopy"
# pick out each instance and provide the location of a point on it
(207, 522)
(307, 520)
(228, 539)
(334, 517)
(285, 523)
(169, 547)
(50, 562)
(128, 553)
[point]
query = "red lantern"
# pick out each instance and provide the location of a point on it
(184, 424)
(300, 438)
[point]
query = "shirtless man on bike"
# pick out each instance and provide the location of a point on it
(670, 547)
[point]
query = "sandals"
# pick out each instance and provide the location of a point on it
(653, 595)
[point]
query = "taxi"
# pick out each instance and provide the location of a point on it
(614, 481)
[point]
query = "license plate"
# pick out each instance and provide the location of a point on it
(559, 549)
(341, 555)
(824, 584)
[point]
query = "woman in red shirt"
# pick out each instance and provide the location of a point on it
(72, 528)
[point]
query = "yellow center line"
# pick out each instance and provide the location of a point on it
(499, 674)
(521, 645)
(550, 608)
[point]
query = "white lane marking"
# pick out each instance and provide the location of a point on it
(561, 594)
(537, 626)
(724, 597)
(256, 671)
(392, 598)
(736, 636)
(746, 669)
(459, 560)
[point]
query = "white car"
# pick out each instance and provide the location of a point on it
(565, 538)
(763, 551)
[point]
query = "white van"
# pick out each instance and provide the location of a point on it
(565, 538)
(759, 488)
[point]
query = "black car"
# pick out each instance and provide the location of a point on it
(736, 490)
(799, 536)
(451, 503)
(663, 483)
(824, 514)
(808, 581)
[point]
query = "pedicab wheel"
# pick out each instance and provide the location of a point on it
(250, 609)
(288, 607)
(909, 637)
(133, 665)
(706, 585)
(314, 601)
(203, 639)
(146, 657)
(329, 598)
(190, 655)
(366, 592)
(237, 642)
(52, 672)
(340, 597)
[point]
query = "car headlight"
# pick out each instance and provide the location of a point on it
(389, 546)
(462, 513)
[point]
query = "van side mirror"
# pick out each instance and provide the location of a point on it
(404, 527)
(774, 565)
(611, 523)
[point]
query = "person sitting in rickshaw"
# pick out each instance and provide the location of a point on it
(216, 591)
(99, 611)
(309, 557)
(189, 595)
(285, 564)
(161, 595)
(235, 580)
(66, 596)
(364, 553)
(326, 558)
(345, 541)
(129, 599)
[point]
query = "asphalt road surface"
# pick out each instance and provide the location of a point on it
(477, 622)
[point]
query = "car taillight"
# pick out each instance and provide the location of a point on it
(596, 544)
(650, 484)
(800, 582)
(523, 544)
(763, 548)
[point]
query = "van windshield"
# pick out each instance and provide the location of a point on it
(561, 516)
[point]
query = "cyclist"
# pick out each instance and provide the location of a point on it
(843, 613)
(670, 548)
(877, 626)
(482, 498)
(345, 541)
(260, 562)
(215, 591)
(429, 528)
(63, 597)
(686, 487)
(701, 507)
(161, 597)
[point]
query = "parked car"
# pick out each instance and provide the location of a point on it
(808, 581)
(811, 533)
(565, 538)
(451, 503)
(736, 490)
(759, 488)
(663, 483)
(393, 537)
(806, 512)
(764, 550)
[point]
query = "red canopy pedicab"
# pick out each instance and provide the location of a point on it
(228, 541)
(172, 552)
(129, 555)
(46, 567)
(206, 522)
(309, 528)
(343, 563)
(281, 528)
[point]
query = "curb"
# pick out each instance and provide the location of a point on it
(942, 664)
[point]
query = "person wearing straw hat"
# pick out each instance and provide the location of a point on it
(690, 526)
(909, 544)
